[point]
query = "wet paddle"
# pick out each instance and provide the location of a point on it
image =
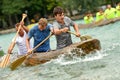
(6, 59)
(82, 38)
(20, 60)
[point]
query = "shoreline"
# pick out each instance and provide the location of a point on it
(11, 30)
(7, 31)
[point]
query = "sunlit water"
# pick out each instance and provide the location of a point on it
(103, 65)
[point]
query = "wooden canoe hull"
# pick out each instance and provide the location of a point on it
(86, 46)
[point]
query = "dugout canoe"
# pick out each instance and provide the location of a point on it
(81, 49)
(98, 24)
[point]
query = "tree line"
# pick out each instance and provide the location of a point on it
(11, 10)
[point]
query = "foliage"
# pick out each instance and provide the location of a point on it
(13, 6)
(11, 10)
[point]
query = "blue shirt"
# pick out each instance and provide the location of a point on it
(38, 36)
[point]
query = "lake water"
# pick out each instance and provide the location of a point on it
(103, 65)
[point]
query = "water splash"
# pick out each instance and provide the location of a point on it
(73, 59)
(96, 56)
(112, 47)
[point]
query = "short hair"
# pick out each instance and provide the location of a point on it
(58, 10)
(17, 24)
(43, 21)
(100, 9)
(87, 12)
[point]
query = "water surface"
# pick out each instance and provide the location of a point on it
(103, 65)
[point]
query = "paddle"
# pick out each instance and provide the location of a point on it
(6, 58)
(82, 38)
(20, 60)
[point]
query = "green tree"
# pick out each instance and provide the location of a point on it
(12, 8)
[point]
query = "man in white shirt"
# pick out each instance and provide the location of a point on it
(20, 40)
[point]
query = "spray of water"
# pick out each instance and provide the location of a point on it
(73, 59)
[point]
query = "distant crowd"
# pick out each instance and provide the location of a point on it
(108, 13)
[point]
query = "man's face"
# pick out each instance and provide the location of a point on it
(59, 17)
(42, 26)
(101, 11)
(119, 4)
(109, 6)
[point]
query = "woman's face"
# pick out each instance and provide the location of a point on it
(20, 31)
(41, 27)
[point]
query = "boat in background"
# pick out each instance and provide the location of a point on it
(98, 24)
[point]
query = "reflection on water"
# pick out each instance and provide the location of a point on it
(103, 65)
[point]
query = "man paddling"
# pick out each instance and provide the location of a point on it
(118, 10)
(61, 27)
(110, 12)
(39, 32)
(20, 40)
(88, 18)
(100, 15)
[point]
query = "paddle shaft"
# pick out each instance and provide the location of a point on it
(23, 17)
(72, 33)
(20, 60)
(41, 43)
(82, 38)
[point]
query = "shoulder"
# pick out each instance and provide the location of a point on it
(113, 9)
(117, 7)
(85, 17)
(55, 23)
(49, 24)
(34, 27)
(106, 10)
(97, 13)
(67, 18)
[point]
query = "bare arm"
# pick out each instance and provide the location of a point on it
(11, 47)
(28, 43)
(59, 31)
(24, 27)
(76, 30)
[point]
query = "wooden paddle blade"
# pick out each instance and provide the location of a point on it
(5, 61)
(17, 62)
(85, 37)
